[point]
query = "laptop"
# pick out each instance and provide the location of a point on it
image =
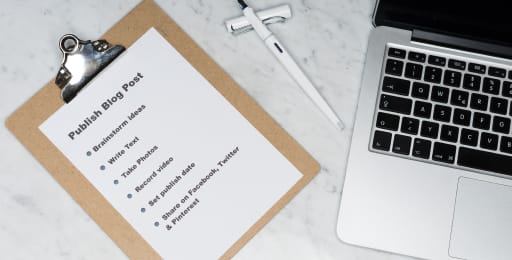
(429, 173)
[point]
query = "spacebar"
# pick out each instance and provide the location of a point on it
(485, 161)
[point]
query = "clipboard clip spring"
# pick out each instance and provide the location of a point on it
(82, 61)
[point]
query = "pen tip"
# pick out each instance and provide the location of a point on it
(242, 4)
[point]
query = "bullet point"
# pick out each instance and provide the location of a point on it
(129, 195)
(89, 153)
(143, 210)
(116, 182)
(102, 167)
(157, 224)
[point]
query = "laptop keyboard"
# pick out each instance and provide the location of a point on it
(445, 110)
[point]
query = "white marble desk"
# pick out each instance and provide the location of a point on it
(39, 220)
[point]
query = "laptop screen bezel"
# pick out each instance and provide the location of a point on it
(380, 19)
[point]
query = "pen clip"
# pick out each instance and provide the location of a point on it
(82, 61)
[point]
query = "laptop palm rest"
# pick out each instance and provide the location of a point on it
(482, 221)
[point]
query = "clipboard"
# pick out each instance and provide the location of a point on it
(24, 123)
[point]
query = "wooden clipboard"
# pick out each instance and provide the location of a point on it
(24, 123)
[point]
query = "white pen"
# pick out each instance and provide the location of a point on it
(289, 64)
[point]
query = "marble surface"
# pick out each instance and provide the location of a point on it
(40, 220)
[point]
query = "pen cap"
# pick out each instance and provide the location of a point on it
(276, 14)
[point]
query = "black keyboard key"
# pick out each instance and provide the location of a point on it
(510, 74)
(420, 90)
(395, 104)
(489, 141)
(416, 56)
(449, 133)
(443, 153)
(436, 60)
(457, 64)
(429, 129)
(477, 68)
(486, 161)
(452, 78)
(469, 137)
(396, 85)
(479, 101)
(440, 94)
(401, 144)
(459, 98)
(491, 86)
(506, 144)
(433, 74)
(481, 121)
(394, 67)
(507, 89)
(442, 113)
(501, 125)
(410, 125)
(381, 141)
(471, 82)
(422, 109)
(461, 117)
(497, 72)
(421, 148)
(413, 70)
(387, 121)
(397, 53)
(499, 105)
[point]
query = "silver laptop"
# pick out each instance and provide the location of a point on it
(429, 173)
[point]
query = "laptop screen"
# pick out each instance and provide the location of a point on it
(489, 20)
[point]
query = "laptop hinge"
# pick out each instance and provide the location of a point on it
(462, 44)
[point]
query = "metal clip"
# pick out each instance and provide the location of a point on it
(277, 14)
(82, 61)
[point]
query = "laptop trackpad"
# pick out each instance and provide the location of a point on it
(482, 223)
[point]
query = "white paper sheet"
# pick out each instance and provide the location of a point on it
(184, 168)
